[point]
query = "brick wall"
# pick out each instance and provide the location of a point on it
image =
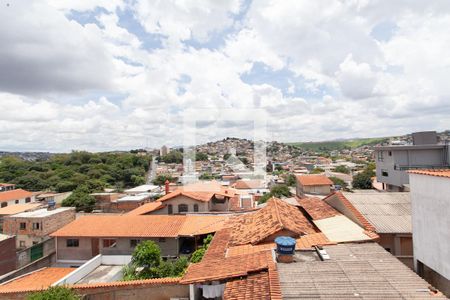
(7, 255)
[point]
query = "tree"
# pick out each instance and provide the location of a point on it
(146, 262)
(317, 171)
(279, 191)
(80, 199)
(226, 156)
(291, 180)
(172, 157)
(342, 169)
(161, 179)
(54, 293)
(206, 176)
(201, 156)
(362, 180)
(200, 252)
(338, 181)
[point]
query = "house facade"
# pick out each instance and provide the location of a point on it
(10, 196)
(35, 226)
(313, 184)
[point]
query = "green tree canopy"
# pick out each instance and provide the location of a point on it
(80, 199)
(161, 179)
(291, 180)
(342, 169)
(278, 191)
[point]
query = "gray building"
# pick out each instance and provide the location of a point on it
(394, 161)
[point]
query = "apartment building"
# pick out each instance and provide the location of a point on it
(430, 198)
(394, 161)
(33, 227)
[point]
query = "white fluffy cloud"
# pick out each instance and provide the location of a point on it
(327, 74)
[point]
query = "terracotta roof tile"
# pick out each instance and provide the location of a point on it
(432, 172)
(254, 286)
(151, 282)
(249, 184)
(305, 242)
(277, 215)
(146, 208)
(317, 208)
(198, 225)
(14, 195)
(200, 191)
(18, 208)
(235, 204)
(34, 281)
(313, 180)
(224, 268)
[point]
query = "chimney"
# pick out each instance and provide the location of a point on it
(285, 249)
(166, 185)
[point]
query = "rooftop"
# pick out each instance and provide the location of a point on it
(354, 271)
(40, 279)
(14, 195)
(42, 213)
(18, 208)
(143, 188)
(138, 197)
(249, 184)
(141, 226)
(146, 208)
(277, 215)
(387, 212)
(313, 180)
(433, 172)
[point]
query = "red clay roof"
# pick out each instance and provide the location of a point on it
(14, 195)
(199, 196)
(223, 268)
(314, 180)
(146, 208)
(249, 184)
(34, 281)
(153, 281)
(277, 215)
(18, 208)
(317, 208)
(433, 172)
(254, 286)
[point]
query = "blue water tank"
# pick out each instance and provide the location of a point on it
(285, 245)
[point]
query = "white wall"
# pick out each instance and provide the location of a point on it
(430, 200)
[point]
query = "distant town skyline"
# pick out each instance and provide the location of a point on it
(119, 75)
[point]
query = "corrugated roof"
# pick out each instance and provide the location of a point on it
(341, 229)
(354, 271)
(387, 212)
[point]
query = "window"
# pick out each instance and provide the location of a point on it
(134, 243)
(36, 226)
(72, 242)
(162, 240)
(4, 204)
(182, 208)
(195, 207)
(27, 199)
(22, 244)
(390, 153)
(380, 155)
(16, 201)
(384, 173)
(169, 209)
(109, 243)
(23, 225)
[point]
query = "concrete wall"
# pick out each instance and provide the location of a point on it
(24, 256)
(416, 157)
(430, 200)
(140, 291)
(7, 255)
(169, 247)
(312, 189)
(21, 200)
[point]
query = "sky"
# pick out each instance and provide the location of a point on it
(103, 75)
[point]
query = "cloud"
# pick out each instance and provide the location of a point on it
(43, 52)
(329, 70)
